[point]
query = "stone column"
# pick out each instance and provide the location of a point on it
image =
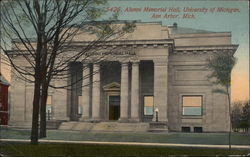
(135, 92)
(161, 88)
(124, 93)
(96, 92)
(85, 92)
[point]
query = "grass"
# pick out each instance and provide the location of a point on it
(183, 138)
(108, 150)
(25, 149)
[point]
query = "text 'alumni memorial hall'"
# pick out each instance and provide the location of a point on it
(155, 69)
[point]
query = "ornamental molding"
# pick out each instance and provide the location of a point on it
(126, 43)
(114, 86)
(204, 49)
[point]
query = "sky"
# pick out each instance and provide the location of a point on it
(234, 19)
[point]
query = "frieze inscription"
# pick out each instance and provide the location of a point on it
(115, 52)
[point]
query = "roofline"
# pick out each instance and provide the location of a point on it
(201, 35)
(118, 42)
(232, 47)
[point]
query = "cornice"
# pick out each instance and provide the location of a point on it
(201, 35)
(127, 43)
(204, 49)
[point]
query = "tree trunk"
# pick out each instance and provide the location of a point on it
(43, 123)
(35, 115)
(37, 92)
(230, 123)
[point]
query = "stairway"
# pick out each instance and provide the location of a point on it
(104, 127)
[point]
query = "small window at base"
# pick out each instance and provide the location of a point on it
(185, 129)
(198, 129)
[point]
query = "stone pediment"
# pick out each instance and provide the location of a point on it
(114, 86)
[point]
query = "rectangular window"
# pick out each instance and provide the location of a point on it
(49, 107)
(198, 129)
(185, 129)
(192, 105)
(148, 105)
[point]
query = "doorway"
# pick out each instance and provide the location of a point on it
(114, 107)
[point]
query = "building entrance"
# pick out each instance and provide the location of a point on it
(114, 107)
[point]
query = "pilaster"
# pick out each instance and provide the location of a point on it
(161, 88)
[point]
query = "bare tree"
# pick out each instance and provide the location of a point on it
(221, 66)
(236, 116)
(54, 25)
(245, 117)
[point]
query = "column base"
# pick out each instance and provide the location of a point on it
(84, 119)
(134, 120)
(159, 120)
(154, 118)
(123, 120)
(95, 120)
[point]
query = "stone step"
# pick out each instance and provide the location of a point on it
(105, 126)
(20, 124)
(66, 125)
(157, 130)
(53, 124)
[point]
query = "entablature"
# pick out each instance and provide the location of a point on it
(126, 43)
(204, 49)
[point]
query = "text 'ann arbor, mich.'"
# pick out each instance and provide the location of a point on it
(174, 12)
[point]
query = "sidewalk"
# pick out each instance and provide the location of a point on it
(133, 143)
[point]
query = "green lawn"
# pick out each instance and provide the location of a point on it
(183, 138)
(107, 150)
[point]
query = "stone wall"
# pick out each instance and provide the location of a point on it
(188, 76)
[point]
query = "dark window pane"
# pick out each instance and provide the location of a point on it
(185, 129)
(197, 129)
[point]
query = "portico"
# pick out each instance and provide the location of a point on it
(115, 95)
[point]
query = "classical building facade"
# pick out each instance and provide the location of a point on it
(155, 68)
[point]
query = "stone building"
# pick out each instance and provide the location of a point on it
(155, 68)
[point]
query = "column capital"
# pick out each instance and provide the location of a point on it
(85, 64)
(136, 62)
(85, 69)
(124, 63)
(96, 64)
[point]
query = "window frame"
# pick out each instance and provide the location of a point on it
(182, 105)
